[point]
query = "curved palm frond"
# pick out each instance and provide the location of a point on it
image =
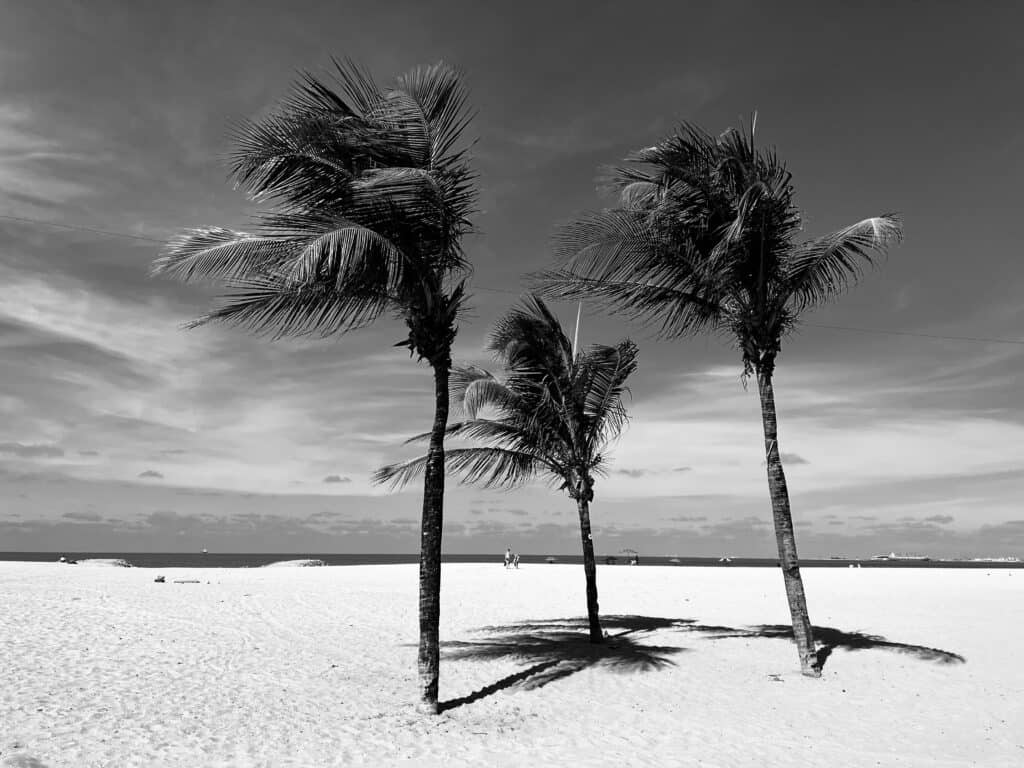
(639, 195)
(509, 431)
(824, 267)
(346, 255)
(441, 100)
(673, 312)
(604, 371)
(490, 467)
(214, 253)
(303, 162)
(506, 430)
(534, 348)
(267, 308)
(486, 392)
(610, 244)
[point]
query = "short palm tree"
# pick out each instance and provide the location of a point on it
(371, 193)
(705, 239)
(553, 416)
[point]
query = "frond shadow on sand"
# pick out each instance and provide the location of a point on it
(554, 650)
(558, 648)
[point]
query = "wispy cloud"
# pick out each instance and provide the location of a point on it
(30, 183)
(31, 451)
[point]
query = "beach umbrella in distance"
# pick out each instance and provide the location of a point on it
(705, 238)
(368, 192)
(553, 415)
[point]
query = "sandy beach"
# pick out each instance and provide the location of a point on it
(315, 667)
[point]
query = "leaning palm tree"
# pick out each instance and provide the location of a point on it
(553, 416)
(370, 194)
(705, 239)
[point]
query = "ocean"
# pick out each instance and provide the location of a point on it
(257, 559)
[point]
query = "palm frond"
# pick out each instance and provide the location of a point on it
(530, 341)
(474, 390)
(489, 467)
(824, 267)
(440, 97)
(222, 254)
(357, 84)
(610, 244)
(639, 195)
(268, 308)
(672, 312)
(346, 254)
(498, 432)
(305, 161)
(603, 374)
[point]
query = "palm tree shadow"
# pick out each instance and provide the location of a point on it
(558, 648)
(830, 638)
(827, 638)
(554, 650)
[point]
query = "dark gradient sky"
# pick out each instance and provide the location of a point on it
(120, 431)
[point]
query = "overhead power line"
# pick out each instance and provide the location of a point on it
(918, 335)
(126, 235)
(105, 232)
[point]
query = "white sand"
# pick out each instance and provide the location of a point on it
(316, 667)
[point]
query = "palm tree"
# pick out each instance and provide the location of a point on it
(371, 193)
(553, 416)
(704, 239)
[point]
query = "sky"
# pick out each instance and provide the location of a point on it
(119, 431)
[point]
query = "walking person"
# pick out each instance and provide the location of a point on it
(508, 556)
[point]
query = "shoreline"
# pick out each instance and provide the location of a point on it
(261, 559)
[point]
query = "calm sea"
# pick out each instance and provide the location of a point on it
(257, 559)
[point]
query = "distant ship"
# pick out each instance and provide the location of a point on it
(995, 559)
(725, 560)
(900, 556)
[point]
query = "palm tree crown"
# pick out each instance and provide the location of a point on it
(705, 239)
(370, 195)
(551, 417)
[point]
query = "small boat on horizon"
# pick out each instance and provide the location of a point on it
(900, 556)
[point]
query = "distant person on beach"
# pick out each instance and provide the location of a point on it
(515, 561)
(508, 556)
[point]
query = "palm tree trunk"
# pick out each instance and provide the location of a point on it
(428, 659)
(590, 570)
(784, 536)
